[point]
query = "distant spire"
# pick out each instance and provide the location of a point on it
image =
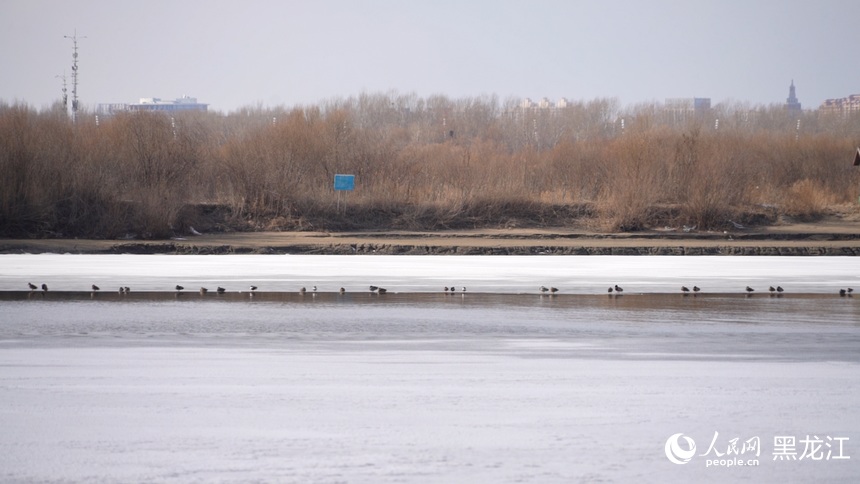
(792, 104)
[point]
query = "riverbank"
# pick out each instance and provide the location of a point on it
(836, 236)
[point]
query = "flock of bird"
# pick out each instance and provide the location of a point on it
(771, 289)
(613, 290)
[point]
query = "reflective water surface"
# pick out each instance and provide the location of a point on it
(795, 327)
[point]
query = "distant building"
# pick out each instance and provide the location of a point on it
(109, 109)
(544, 103)
(184, 103)
(690, 104)
(154, 104)
(844, 105)
(682, 108)
(792, 104)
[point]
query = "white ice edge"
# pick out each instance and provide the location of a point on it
(401, 273)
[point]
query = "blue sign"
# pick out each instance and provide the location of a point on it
(344, 182)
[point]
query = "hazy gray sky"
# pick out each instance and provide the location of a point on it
(231, 53)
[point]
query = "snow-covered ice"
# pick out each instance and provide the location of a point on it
(379, 414)
(500, 274)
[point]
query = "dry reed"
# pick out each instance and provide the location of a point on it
(419, 163)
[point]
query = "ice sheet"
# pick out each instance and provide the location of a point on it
(387, 414)
(501, 274)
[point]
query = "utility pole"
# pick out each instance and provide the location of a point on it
(74, 74)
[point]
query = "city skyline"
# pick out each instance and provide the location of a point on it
(270, 54)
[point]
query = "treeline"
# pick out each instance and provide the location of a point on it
(420, 163)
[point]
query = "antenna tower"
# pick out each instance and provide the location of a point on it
(74, 74)
(65, 91)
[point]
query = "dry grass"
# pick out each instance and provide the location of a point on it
(419, 163)
(807, 199)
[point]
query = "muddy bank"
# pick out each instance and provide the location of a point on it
(842, 242)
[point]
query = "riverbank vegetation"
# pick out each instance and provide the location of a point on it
(420, 163)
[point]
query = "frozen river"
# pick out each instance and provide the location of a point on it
(500, 384)
(493, 274)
